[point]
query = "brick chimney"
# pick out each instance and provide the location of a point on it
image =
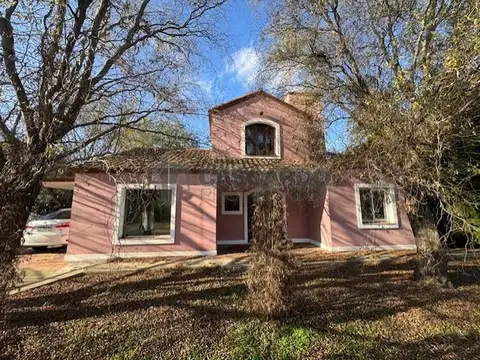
(313, 135)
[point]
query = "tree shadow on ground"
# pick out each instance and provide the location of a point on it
(106, 296)
(325, 296)
(123, 283)
(368, 292)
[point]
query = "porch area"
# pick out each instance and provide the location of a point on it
(306, 221)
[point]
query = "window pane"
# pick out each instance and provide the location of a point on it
(232, 203)
(147, 212)
(379, 204)
(63, 215)
(260, 140)
(250, 149)
(269, 143)
(49, 216)
(373, 205)
(366, 205)
(57, 215)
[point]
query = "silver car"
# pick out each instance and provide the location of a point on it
(49, 230)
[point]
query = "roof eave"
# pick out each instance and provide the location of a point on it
(245, 97)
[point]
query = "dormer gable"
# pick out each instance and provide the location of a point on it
(259, 124)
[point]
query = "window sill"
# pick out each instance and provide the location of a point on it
(235, 212)
(261, 157)
(146, 240)
(379, 226)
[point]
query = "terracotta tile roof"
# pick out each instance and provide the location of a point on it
(145, 159)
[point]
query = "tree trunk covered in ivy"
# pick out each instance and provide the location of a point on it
(269, 271)
(18, 192)
(432, 260)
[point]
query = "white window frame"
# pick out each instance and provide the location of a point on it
(269, 122)
(120, 214)
(235, 212)
(390, 207)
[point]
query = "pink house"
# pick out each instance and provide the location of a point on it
(158, 202)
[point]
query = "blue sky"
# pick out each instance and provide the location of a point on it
(231, 69)
(235, 66)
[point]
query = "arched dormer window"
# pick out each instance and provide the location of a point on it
(261, 139)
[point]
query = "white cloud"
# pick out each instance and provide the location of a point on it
(245, 64)
(206, 86)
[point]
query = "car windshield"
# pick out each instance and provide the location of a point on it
(65, 214)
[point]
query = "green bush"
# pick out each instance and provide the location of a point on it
(260, 341)
(469, 223)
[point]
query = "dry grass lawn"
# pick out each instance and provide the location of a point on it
(359, 311)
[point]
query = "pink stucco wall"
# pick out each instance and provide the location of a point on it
(344, 228)
(229, 227)
(297, 219)
(232, 227)
(93, 215)
(318, 216)
(332, 220)
(226, 126)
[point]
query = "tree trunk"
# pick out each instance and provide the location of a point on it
(18, 192)
(432, 261)
(268, 275)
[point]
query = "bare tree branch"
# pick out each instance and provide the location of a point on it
(6, 33)
(69, 69)
(11, 9)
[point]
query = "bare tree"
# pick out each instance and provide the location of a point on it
(73, 72)
(403, 76)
